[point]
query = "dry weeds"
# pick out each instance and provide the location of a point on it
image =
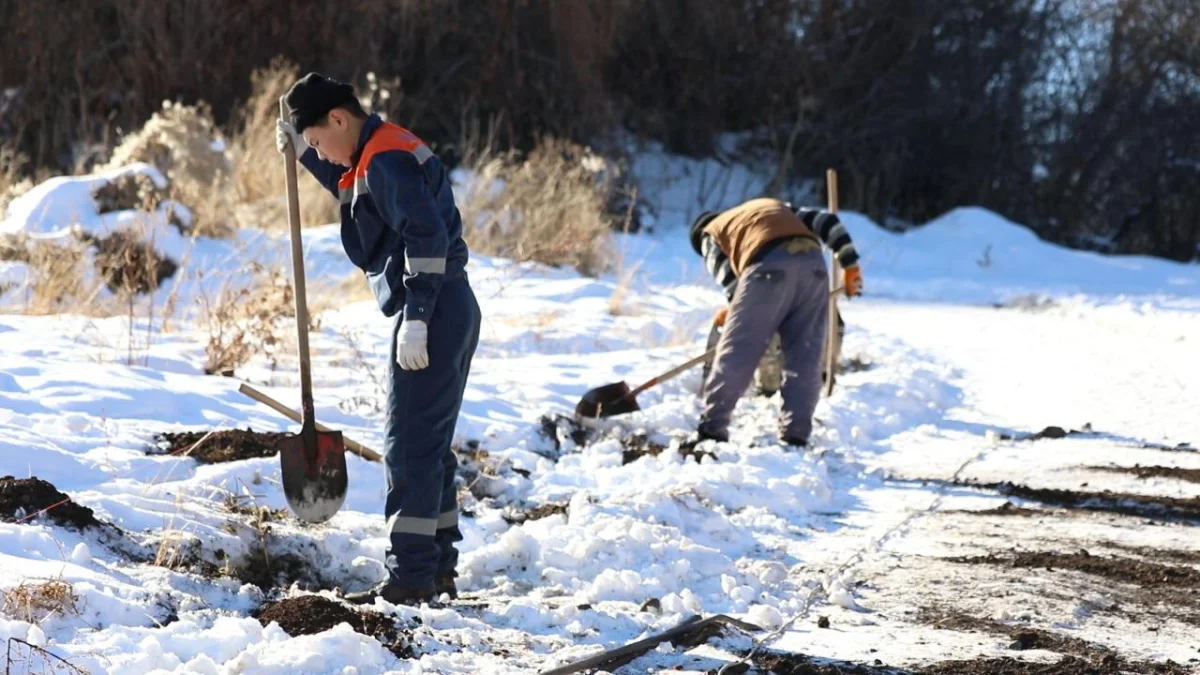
(184, 144)
(258, 175)
(551, 207)
(253, 319)
(34, 602)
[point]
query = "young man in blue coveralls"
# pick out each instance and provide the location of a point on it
(401, 226)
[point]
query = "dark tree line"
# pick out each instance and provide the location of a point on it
(1080, 118)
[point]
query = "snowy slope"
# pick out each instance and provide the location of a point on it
(751, 530)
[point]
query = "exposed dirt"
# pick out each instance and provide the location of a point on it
(127, 192)
(560, 427)
(1057, 432)
(1007, 509)
(1162, 554)
(853, 365)
(1070, 665)
(280, 570)
(127, 264)
(515, 516)
(1146, 472)
(311, 614)
(1126, 570)
(1145, 506)
(637, 446)
(799, 664)
(1079, 656)
(222, 446)
(21, 498)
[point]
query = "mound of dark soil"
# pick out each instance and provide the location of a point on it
(312, 614)
(221, 446)
(21, 498)
(1127, 570)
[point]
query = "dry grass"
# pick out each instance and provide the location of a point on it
(258, 167)
(253, 319)
(549, 208)
(183, 143)
(35, 602)
(57, 278)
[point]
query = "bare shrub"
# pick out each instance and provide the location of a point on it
(250, 319)
(258, 175)
(127, 265)
(35, 602)
(550, 208)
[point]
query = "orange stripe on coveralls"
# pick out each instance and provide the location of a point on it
(388, 137)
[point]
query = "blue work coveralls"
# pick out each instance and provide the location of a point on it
(401, 226)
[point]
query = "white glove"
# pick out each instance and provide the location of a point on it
(285, 133)
(411, 350)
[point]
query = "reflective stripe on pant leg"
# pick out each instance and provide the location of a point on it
(398, 524)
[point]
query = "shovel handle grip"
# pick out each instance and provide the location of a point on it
(671, 373)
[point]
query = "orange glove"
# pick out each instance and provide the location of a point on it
(719, 319)
(852, 281)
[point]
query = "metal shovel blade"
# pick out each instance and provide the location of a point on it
(605, 401)
(314, 483)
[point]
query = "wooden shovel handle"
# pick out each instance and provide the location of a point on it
(351, 445)
(293, 211)
(671, 373)
(835, 277)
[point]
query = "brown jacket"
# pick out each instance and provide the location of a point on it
(744, 229)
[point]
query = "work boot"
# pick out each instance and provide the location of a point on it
(703, 434)
(393, 593)
(445, 584)
(794, 443)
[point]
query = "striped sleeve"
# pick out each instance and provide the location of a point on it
(717, 264)
(830, 229)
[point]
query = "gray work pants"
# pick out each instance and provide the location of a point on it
(784, 293)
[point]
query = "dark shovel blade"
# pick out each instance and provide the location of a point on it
(315, 484)
(611, 399)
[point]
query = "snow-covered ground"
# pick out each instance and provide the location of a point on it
(973, 331)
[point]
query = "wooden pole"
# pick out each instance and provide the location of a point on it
(835, 275)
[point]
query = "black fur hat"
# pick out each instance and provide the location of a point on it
(313, 96)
